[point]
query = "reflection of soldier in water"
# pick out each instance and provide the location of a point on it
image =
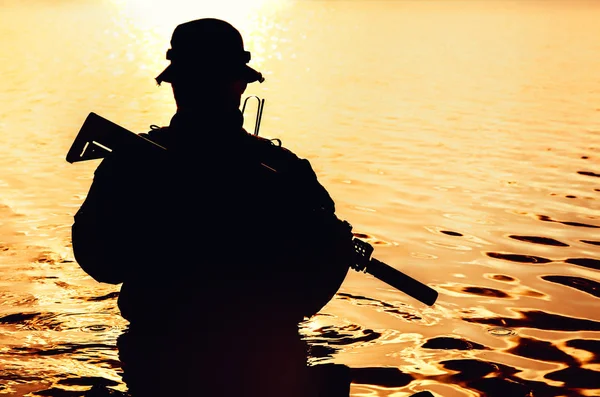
(222, 246)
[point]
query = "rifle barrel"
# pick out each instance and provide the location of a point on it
(401, 281)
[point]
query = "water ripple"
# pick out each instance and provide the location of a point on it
(539, 240)
(479, 291)
(588, 173)
(541, 350)
(448, 343)
(579, 283)
(590, 242)
(546, 218)
(576, 377)
(585, 262)
(539, 320)
(502, 277)
(385, 377)
(400, 311)
(518, 257)
(590, 345)
(110, 295)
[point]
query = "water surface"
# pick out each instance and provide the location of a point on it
(462, 139)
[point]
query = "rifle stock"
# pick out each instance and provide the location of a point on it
(99, 137)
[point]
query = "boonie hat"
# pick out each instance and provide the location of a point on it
(210, 46)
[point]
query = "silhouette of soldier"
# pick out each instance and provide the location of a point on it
(223, 245)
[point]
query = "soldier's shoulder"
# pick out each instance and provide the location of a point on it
(158, 134)
(279, 157)
(273, 147)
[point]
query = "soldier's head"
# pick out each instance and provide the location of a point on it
(208, 64)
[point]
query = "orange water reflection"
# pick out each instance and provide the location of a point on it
(460, 138)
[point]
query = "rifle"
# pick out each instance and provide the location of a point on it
(99, 137)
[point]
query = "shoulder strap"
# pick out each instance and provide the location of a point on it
(159, 135)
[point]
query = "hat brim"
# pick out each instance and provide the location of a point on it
(247, 73)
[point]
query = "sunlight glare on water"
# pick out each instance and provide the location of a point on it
(460, 138)
(159, 17)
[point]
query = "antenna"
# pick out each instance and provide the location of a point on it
(259, 111)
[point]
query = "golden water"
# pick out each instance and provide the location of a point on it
(463, 138)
